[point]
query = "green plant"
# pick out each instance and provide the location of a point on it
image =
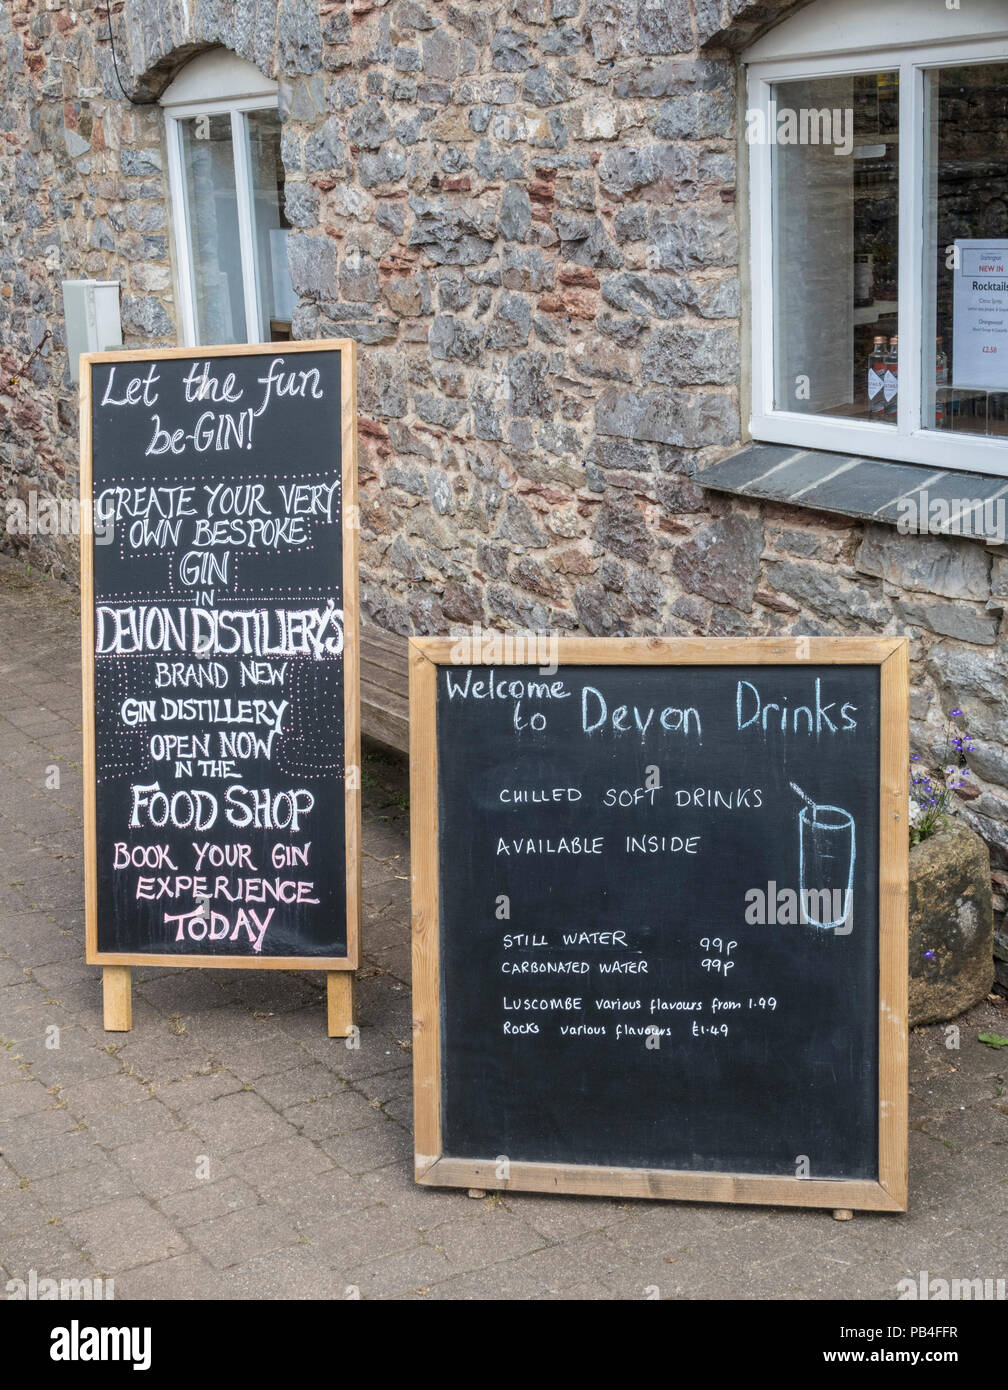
(931, 792)
(993, 1040)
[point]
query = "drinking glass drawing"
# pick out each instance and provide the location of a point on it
(826, 865)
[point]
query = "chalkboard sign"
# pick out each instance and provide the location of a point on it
(660, 918)
(219, 615)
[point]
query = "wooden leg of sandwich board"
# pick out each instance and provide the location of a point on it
(117, 998)
(339, 991)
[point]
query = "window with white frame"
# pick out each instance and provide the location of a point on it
(879, 231)
(226, 179)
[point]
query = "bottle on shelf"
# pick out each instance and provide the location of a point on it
(889, 380)
(876, 370)
(941, 382)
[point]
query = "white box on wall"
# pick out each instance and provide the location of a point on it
(91, 312)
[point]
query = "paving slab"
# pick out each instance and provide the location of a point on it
(228, 1148)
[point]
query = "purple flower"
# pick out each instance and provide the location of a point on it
(955, 713)
(929, 955)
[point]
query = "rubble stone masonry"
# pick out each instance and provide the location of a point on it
(527, 214)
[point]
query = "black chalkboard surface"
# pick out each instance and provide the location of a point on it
(220, 656)
(659, 920)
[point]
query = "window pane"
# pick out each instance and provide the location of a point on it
(266, 179)
(214, 243)
(965, 330)
(834, 159)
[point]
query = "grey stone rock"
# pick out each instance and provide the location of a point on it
(608, 25)
(368, 126)
(679, 494)
(510, 51)
(674, 78)
(337, 28)
(406, 59)
(301, 204)
(948, 567)
(374, 170)
(621, 454)
(382, 384)
(391, 216)
(518, 525)
(440, 56)
(596, 611)
(410, 15)
(452, 338)
(545, 87)
(451, 235)
(494, 162)
(626, 332)
(713, 299)
(324, 149)
(411, 480)
(530, 394)
(696, 116)
(695, 237)
(298, 37)
(76, 145)
(631, 224)
(721, 561)
(146, 316)
(691, 420)
(620, 527)
(515, 215)
(951, 924)
(439, 410)
(660, 295)
(561, 41)
(101, 236)
(691, 355)
(510, 325)
(453, 290)
(663, 28)
(358, 278)
(976, 681)
(440, 492)
(487, 422)
(403, 557)
(139, 161)
(829, 595)
(628, 169)
(584, 241)
(313, 263)
(989, 761)
(951, 620)
(523, 613)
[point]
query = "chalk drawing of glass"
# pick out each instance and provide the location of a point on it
(826, 854)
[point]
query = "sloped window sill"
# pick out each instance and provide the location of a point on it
(910, 496)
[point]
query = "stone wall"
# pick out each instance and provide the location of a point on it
(525, 214)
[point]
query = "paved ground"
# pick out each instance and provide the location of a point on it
(227, 1148)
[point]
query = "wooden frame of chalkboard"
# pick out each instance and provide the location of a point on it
(116, 963)
(436, 1167)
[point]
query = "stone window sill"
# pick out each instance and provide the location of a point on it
(872, 489)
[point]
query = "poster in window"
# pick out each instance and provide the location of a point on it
(980, 320)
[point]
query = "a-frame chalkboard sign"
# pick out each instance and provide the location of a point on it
(220, 663)
(660, 918)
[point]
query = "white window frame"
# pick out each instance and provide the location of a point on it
(908, 441)
(212, 73)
